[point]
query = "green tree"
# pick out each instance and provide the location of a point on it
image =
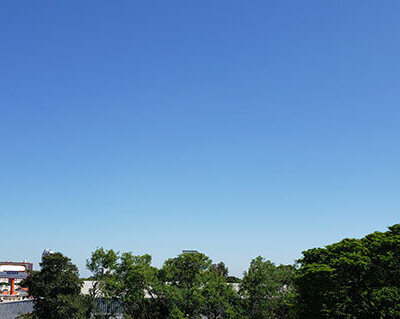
(354, 278)
(103, 298)
(124, 283)
(182, 277)
(136, 281)
(220, 299)
(233, 280)
(193, 288)
(220, 269)
(56, 289)
(268, 291)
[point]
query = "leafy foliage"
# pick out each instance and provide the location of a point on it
(187, 286)
(220, 269)
(268, 290)
(135, 278)
(56, 289)
(103, 265)
(197, 288)
(354, 278)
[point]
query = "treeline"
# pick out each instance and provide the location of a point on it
(354, 278)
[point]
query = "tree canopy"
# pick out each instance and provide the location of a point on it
(56, 289)
(268, 290)
(354, 278)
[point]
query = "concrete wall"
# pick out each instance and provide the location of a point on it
(11, 310)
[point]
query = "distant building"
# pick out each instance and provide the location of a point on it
(188, 251)
(47, 252)
(11, 274)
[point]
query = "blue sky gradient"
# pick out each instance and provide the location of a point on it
(238, 128)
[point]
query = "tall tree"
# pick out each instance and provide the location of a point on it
(193, 288)
(183, 277)
(103, 298)
(354, 278)
(220, 298)
(125, 284)
(267, 290)
(56, 289)
(220, 269)
(136, 281)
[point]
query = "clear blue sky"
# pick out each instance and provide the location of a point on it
(238, 128)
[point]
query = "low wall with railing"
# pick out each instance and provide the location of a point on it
(13, 309)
